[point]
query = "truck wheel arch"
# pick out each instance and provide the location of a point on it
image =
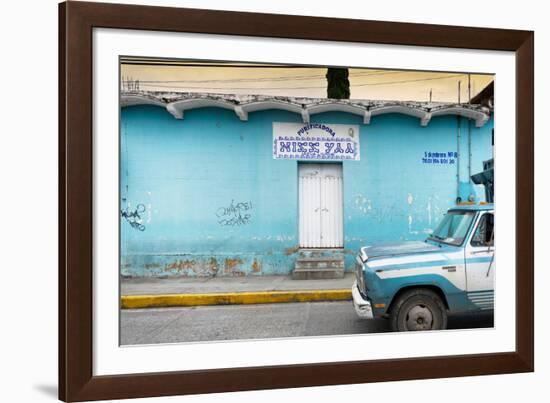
(431, 287)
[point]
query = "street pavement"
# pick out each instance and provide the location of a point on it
(198, 285)
(237, 322)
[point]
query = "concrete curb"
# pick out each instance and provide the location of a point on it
(232, 298)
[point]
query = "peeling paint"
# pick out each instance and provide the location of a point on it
(291, 251)
(256, 266)
(231, 267)
(213, 266)
(181, 265)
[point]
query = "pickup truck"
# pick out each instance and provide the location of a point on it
(416, 284)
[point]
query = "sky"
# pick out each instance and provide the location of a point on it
(298, 81)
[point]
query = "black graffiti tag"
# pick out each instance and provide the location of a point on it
(236, 214)
(133, 217)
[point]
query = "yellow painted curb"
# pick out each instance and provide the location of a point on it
(232, 298)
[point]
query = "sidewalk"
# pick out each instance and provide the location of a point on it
(193, 291)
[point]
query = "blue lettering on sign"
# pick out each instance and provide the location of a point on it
(315, 148)
(285, 146)
(320, 126)
(440, 158)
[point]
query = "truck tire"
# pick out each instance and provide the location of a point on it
(418, 309)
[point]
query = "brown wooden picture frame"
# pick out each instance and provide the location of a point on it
(76, 23)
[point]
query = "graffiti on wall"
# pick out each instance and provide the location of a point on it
(134, 217)
(235, 214)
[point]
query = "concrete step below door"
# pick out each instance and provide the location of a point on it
(318, 267)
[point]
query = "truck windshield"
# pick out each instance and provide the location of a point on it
(453, 228)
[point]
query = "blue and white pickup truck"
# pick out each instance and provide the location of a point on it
(416, 284)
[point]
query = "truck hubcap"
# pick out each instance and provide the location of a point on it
(419, 318)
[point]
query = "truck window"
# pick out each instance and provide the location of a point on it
(453, 228)
(483, 236)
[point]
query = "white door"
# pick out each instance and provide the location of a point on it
(480, 263)
(321, 211)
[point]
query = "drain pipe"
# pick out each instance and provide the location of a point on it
(458, 199)
(469, 150)
(469, 134)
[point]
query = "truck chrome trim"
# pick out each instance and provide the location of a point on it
(363, 307)
(364, 256)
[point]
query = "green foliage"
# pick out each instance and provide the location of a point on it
(337, 83)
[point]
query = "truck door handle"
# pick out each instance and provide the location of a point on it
(449, 268)
(485, 250)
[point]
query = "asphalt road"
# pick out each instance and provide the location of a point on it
(208, 323)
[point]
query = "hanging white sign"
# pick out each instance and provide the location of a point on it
(315, 141)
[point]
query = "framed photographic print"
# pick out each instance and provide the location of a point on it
(252, 201)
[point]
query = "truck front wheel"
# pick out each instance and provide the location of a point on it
(418, 309)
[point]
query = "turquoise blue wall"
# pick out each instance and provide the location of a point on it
(203, 196)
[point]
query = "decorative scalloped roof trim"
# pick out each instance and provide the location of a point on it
(177, 108)
(242, 105)
(416, 112)
(132, 100)
(349, 107)
(479, 117)
(270, 104)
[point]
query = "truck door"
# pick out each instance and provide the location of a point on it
(480, 262)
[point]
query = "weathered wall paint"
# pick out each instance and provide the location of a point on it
(203, 196)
